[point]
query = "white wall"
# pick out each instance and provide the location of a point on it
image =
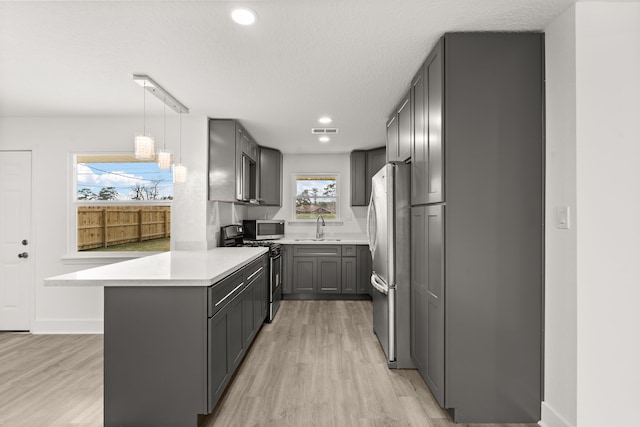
(608, 203)
(195, 221)
(559, 406)
(593, 273)
(352, 218)
(52, 140)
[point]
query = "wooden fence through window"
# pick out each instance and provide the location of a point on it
(102, 226)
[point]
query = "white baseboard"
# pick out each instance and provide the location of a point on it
(67, 326)
(551, 418)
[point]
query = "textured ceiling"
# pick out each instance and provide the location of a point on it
(350, 59)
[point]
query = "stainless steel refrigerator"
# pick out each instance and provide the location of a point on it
(388, 230)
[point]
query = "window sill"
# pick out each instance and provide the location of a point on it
(103, 258)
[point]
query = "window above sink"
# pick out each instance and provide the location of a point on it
(316, 195)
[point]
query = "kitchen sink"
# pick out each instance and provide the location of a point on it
(317, 240)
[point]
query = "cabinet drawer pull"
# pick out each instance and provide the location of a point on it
(229, 294)
(254, 273)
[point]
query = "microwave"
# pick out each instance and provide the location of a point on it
(263, 229)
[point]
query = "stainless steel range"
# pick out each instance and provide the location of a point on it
(233, 235)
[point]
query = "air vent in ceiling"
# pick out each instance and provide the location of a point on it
(322, 131)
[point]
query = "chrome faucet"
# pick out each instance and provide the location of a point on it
(319, 231)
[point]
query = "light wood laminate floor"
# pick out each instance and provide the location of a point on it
(317, 364)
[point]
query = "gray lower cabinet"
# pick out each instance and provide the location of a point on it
(225, 348)
(248, 324)
(305, 274)
(364, 269)
(427, 294)
(330, 275)
(287, 269)
(316, 270)
(170, 352)
(349, 275)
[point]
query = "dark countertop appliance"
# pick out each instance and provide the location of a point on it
(263, 229)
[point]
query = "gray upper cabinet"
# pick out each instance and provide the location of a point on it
(222, 159)
(364, 164)
(427, 168)
(270, 182)
(399, 132)
(233, 162)
(376, 159)
(392, 137)
(246, 165)
(236, 169)
(358, 178)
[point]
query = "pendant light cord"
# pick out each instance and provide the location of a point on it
(144, 109)
(180, 136)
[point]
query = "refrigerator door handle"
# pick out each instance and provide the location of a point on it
(370, 210)
(379, 285)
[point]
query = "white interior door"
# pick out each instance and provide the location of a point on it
(16, 265)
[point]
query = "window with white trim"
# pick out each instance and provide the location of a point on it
(315, 195)
(121, 204)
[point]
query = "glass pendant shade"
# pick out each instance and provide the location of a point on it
(144, 147)
(179, 173)
(165, 159)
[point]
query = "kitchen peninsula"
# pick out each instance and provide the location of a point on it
(176, 327)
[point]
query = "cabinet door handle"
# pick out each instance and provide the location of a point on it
(229, 294)
(254, 273)
(379, 285)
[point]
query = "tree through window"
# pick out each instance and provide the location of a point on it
(122, 204)
(316, 195)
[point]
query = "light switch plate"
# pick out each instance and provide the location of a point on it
(562, 217)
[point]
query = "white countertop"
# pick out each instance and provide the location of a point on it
(175, 268)
(328, 239)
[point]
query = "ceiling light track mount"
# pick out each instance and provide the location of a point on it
(151, 86)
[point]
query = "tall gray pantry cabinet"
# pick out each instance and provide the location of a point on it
(477, 225)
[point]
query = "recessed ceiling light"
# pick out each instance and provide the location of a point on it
(324, 139)
(325, 120)
(243, 16)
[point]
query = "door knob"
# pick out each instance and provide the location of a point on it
(23, 255)
(25, 242)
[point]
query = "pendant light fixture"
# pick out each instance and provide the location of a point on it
(180, 170)
(144, 144)
(165, 158)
